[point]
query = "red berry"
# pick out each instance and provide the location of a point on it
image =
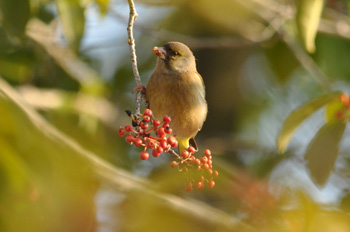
(163, 144)
(209, 171)
(204, 159)
(161, 132)
(199, 168)
(147, 112)
(189, 189)
(191, 149)
(206, 166)
(198, 161)
(144, 155)
(166, 119)
(172, 141)
(150, 144)
(144, 125)
(160, 150)
(138, 142)
(146, 118)
(155, 153)
(199, 185)
(156, 122)
(184, 154)
(211, 184)
(130, 138)
(168, 130)
(174, 164)
(174, 144)
(207, 152)
(215, 173)
(127, 128)
(121, 132)
(165, 125)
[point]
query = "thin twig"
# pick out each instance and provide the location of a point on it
(132, 17)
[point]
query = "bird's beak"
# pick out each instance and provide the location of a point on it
(160, 52)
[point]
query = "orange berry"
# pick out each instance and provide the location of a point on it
(147, 112)
(207, 152)
(161, 132)
(121, 132)
(166, 119)
(204, 159)
(163, 144)
(127, 128)
(137, 142)
(168, 130)
(172, 141)
(215, 173)
(146, 118)
(156, 122)
(144, 155)
(211, 184)
(150, 144)
(206, 166)
(155, 153)
(191, 149)
(130, 138)
(174, 164)
(184, 154)
(144, 125)
(199, 185)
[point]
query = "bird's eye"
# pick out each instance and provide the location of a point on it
(174, 53)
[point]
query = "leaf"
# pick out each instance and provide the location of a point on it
(334, 111)
(15, 14)
(323, 150)
(103, 5)
(294, 119)
(307, 19)
(72, 17)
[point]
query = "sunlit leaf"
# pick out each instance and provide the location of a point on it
(307, 18)
(103, 5)
(334, 111)
(323, 150)
(72, 17)
(294, 119)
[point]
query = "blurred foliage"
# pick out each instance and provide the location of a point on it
(66, 64)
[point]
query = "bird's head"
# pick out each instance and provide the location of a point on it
(175, 56)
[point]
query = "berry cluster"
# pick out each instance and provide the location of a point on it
(198, 171)
(150, 133)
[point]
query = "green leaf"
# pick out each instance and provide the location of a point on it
(72, 17)
(103, 5)
(15, 15)
(334, 110)
(323, 150)
(307, 19)
(294, 119)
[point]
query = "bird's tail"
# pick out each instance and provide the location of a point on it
(183, 144)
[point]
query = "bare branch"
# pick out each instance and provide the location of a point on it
(131, 41)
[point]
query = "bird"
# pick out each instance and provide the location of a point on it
(175, 88)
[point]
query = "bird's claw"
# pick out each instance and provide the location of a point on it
(140, 88)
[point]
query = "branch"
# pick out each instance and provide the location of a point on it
(131, 41)
(95, 167)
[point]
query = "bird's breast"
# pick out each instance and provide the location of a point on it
(182, 96)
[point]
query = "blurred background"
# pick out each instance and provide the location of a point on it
(66, 79)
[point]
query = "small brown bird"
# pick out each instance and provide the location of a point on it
(177, 89)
